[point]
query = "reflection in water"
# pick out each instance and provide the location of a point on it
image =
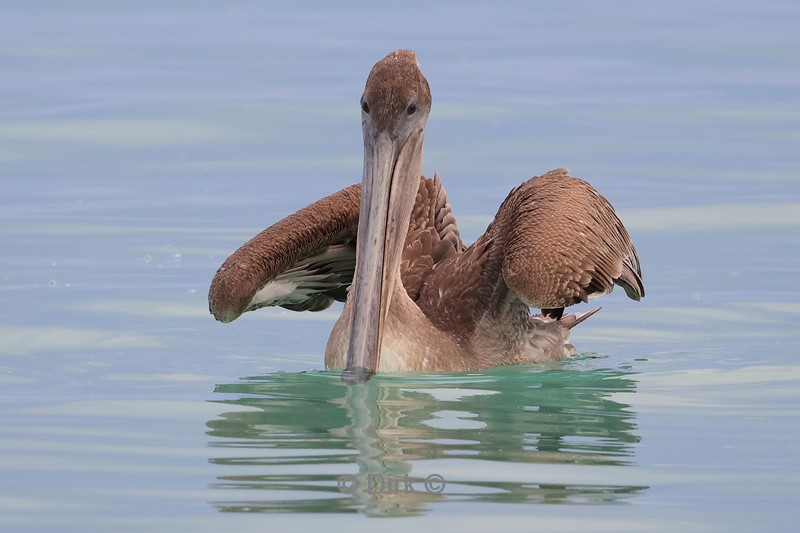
(318, 445)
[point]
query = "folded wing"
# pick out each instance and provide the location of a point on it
(566, 245)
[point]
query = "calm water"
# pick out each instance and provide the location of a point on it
(141, 144)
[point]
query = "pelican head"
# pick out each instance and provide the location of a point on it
(394, 109)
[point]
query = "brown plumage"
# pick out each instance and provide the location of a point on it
(432, 303)
(566, 244)
(314, 249)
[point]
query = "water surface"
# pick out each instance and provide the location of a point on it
(140, 144)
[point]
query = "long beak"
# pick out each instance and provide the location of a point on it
(388, 190)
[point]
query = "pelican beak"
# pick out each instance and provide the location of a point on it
(392, 166)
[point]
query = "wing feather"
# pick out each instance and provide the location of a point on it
(302, 262)
(554, 242)
(432, 236)
(566, 244)
(306, 261)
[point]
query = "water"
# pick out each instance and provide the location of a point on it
(141, 143)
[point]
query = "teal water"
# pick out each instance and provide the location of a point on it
(398, 426)
(140, 144)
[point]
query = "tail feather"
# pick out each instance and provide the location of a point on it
(572, 320)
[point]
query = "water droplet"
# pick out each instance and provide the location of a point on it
(52, 283)
(148, 258)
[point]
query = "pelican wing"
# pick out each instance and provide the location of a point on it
(432, 235)
(303, 262)
(566, 244)
(306, 261)
(554, 242)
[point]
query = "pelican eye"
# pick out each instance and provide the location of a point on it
(412, 108)
(365, 106)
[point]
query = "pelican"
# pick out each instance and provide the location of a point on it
(416, 297)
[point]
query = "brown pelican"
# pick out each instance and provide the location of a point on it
(416, 298)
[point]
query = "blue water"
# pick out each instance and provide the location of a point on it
(141, 143)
